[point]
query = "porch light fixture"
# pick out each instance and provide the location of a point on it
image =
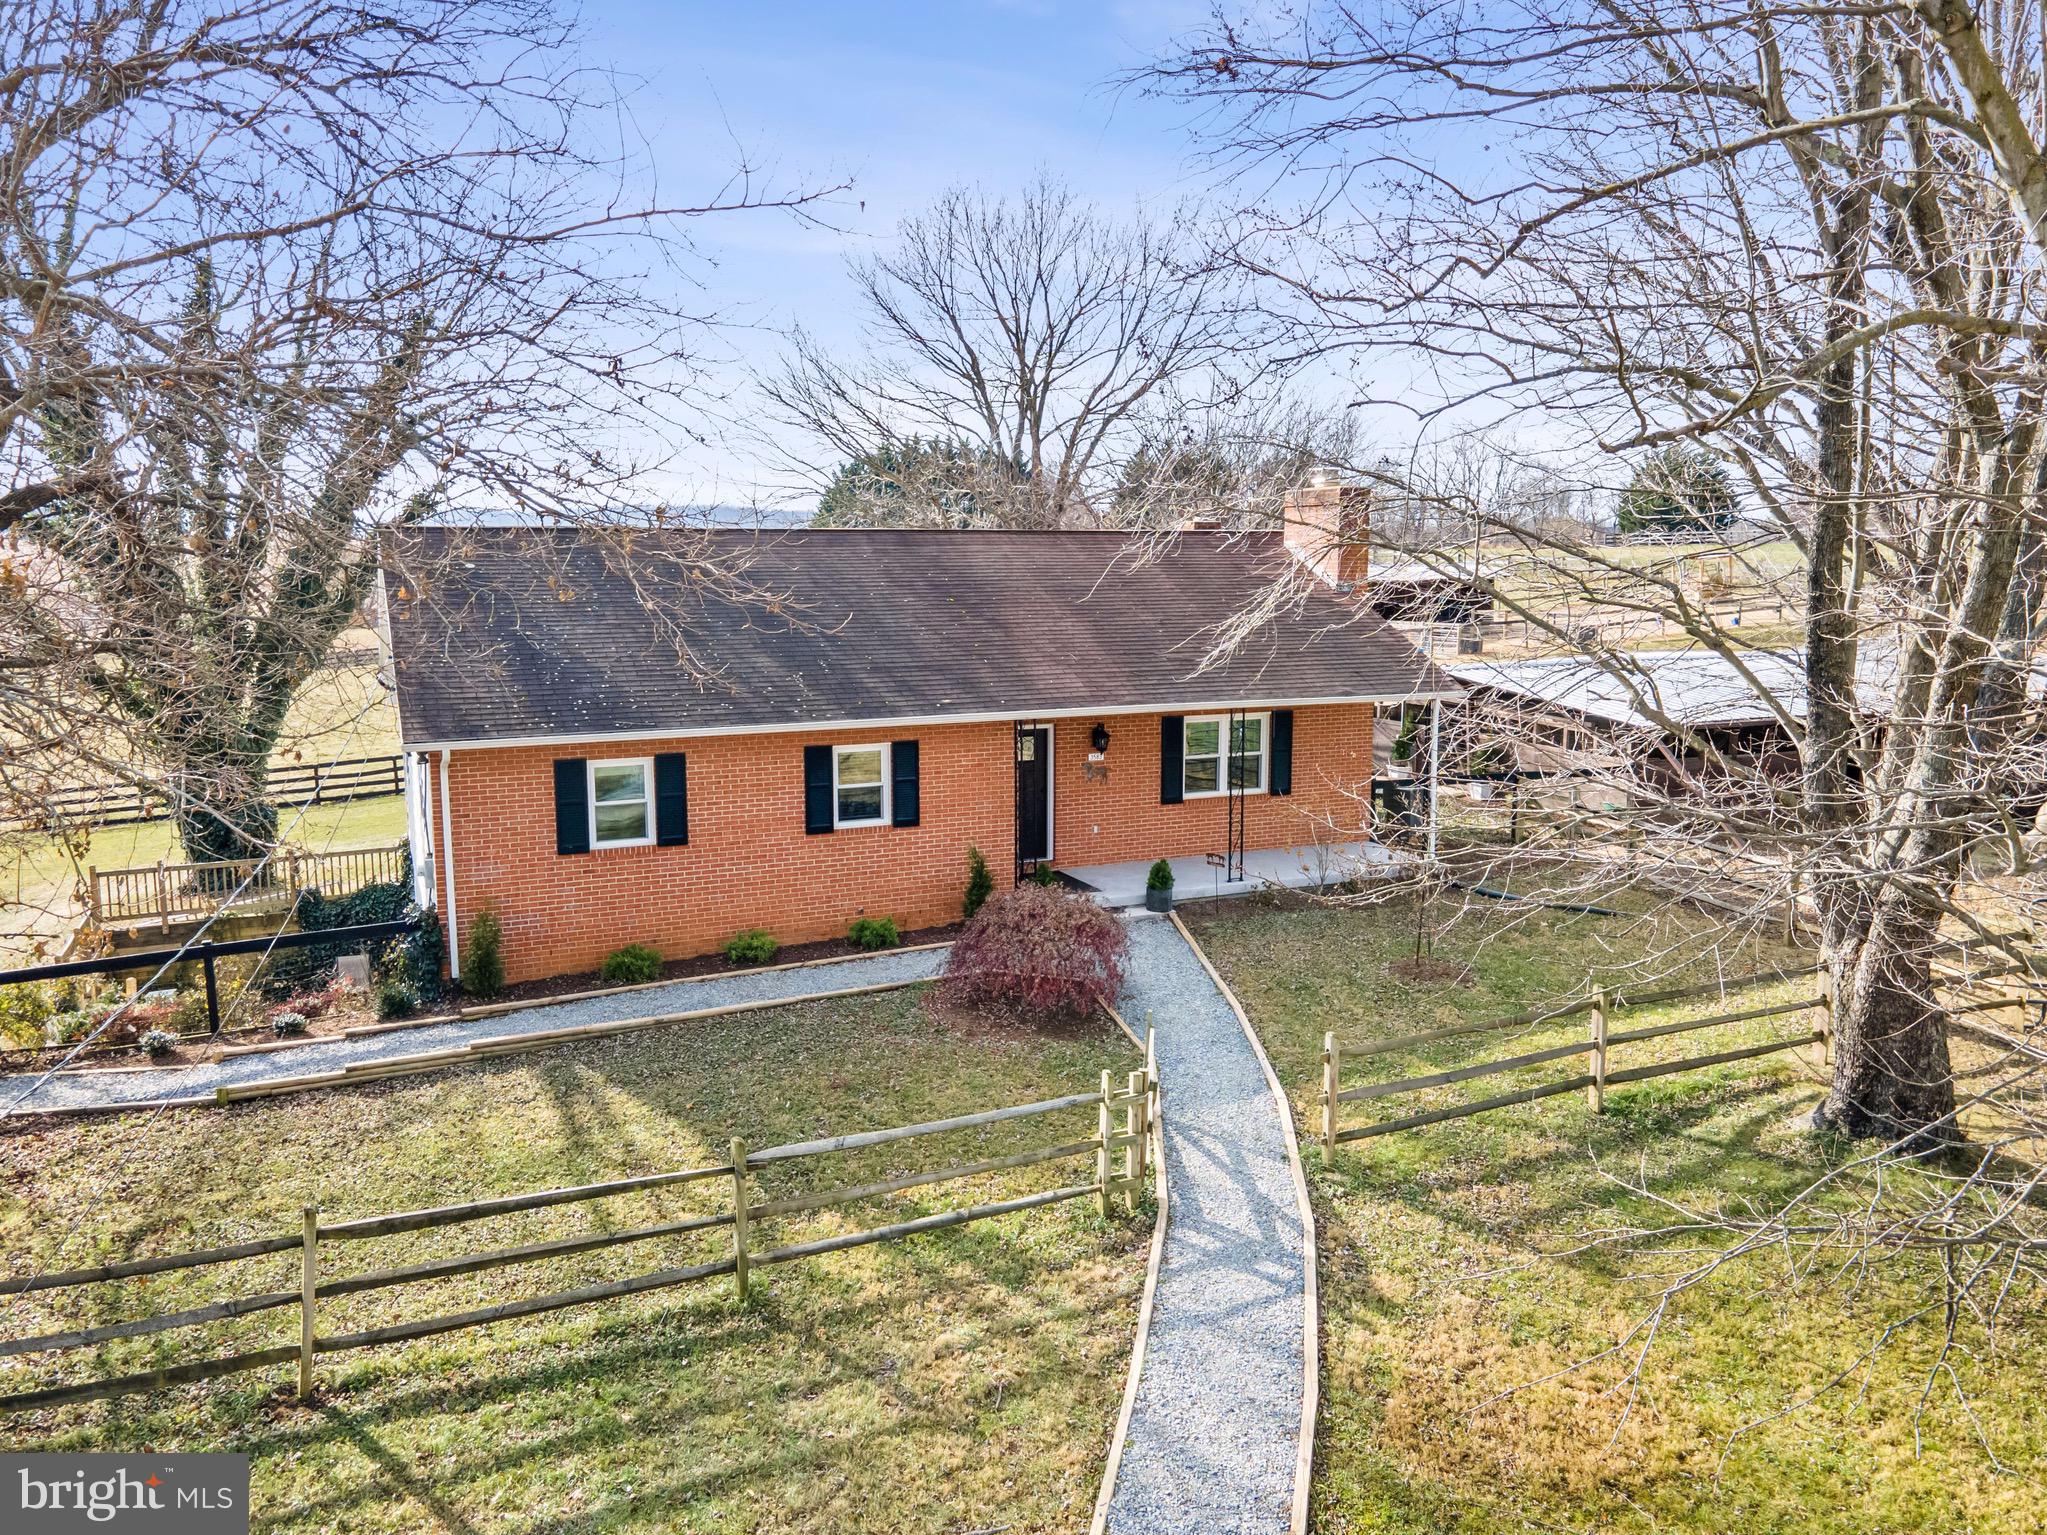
(1098, 738)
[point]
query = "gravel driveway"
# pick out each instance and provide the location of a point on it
(103, 1088)
(1216, 1427)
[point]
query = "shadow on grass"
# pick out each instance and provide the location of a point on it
(662, 1348)
(1740, 1115)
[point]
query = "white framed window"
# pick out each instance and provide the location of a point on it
(1202, 755)
(859, 786)
(621, 802)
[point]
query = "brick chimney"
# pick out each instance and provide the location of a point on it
(1329, 528)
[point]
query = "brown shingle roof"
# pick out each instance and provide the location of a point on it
(504, 634)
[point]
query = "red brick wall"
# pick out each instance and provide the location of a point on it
(750, 864)
(1117, 817)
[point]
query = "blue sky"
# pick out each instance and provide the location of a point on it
(904, 98)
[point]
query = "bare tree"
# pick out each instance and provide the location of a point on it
(1769, 233)
(1807, 239)
(1028, 334)
(276, 274)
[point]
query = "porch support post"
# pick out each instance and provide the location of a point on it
(1435, 768)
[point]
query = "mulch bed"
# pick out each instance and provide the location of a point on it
(193, 1049)
(717, 964)
(1427, 970)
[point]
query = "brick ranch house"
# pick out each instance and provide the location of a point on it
(912, 694)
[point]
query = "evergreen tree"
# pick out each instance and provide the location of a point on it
(1680, 489)
(917, 483)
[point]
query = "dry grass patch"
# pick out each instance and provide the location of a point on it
(957, 1380)
(1456, 1284)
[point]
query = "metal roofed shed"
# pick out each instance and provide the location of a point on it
(1694, 688)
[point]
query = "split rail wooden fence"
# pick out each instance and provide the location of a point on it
(288, 783)
(1126, 1115)
(1602, 1008)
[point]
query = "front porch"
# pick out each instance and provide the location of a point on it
(1310, 867)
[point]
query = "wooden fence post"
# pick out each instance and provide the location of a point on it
(309, 1280)
(1102, 1151)
(1134, 1127)
(1332, 1072)
(163, 897)
(739, 1255)
(1596, 1093)
(1823, 1047)
(1151, 1091)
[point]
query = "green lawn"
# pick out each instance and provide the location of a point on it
(339, 712)
(42, 894)
(963, 1380)
(1450, 1300)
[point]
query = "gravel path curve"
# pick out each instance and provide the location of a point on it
(1216, 1428)
(103, 1088)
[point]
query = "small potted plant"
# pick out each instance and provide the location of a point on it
(1158, 887)
(1400, 762)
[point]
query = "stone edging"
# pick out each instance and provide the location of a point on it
(1311, 1343)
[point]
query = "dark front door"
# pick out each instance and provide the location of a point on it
(1033, 794)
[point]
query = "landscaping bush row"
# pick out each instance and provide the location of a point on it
(483, 963)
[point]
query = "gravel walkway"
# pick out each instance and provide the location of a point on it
(1216, 1428)
(103, 1088)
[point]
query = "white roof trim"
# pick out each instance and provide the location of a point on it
(886, 722)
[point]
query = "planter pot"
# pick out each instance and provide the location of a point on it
(1158, 900)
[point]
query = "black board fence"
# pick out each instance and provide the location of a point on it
(206, 954)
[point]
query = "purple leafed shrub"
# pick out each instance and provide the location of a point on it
(1038, 948)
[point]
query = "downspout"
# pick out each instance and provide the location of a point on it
(447, 852)
(419, 814)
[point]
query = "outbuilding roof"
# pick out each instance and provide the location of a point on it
(1694, 688)
(508, 635)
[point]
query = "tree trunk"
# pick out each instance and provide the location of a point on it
(223, 814)
(1892, 1076)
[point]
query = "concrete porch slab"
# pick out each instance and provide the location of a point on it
(1287, 868)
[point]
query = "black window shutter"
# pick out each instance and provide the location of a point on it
(817, 789)
(1172, 752)
(1280, 771)
(671, 799)
(903, 800)
(571, 806)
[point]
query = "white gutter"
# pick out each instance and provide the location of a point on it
(891, 722)
(449, 927)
